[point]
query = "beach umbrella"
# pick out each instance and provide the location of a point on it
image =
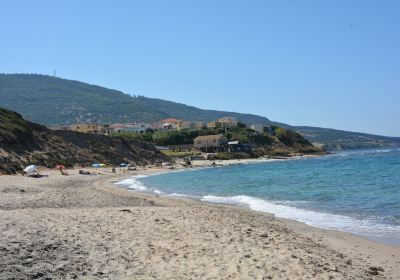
(60, 166)
(30, 169)
(97, 165)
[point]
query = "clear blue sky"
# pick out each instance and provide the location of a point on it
(322, 63)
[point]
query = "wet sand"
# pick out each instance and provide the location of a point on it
(84, 227)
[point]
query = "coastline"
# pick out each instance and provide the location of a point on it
(250, 202)
(234, 239)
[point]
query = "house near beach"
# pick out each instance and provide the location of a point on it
(192, 125)
(223, 122)
(228, 121)
(167, 124)
(237, 146)
(211, 143)
(262, 128)
(138, 127)
(215, 124)
(86, 128)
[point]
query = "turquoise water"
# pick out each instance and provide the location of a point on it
(357, 191)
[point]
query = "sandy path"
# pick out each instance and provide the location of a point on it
(81, 227)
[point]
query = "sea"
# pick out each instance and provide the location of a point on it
(352, 191)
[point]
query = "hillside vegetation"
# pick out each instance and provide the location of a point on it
(23, 143)
(12, 127)
(334, 139)
(69, 101)
(284, 143)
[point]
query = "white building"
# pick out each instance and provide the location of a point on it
(130, 127)
(258, 127)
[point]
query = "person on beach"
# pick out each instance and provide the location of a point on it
(62, 171)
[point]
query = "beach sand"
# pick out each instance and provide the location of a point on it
(84, 227)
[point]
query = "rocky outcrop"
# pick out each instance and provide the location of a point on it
(23, 143)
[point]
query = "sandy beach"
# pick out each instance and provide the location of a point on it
(85, 227)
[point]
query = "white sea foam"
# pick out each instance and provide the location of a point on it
(132, 183)
(317, 219)
(178, 194)
(284, 209)
(158, 192)
(196, 197)
(365, 152)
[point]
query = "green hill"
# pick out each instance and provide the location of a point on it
(50, 100)
(334, 139)
(67, 101)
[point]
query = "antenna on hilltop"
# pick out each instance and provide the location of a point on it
(54, 73)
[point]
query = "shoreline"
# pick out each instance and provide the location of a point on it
(389, 241)
(386, 254)
(95, 221)
(353, 244)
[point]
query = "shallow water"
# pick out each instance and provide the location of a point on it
(356, 191)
